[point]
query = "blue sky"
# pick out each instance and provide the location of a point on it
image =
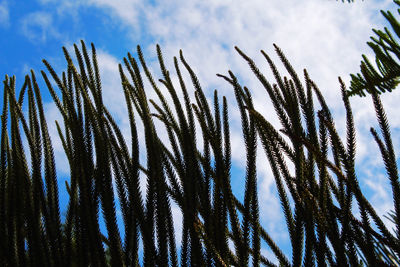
(324, 36)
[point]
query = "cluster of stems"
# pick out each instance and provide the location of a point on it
(317, 193)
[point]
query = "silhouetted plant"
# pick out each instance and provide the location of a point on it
(316, 196)
(386, 75)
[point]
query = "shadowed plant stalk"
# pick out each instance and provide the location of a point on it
(316, 194)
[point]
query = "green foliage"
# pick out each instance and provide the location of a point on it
(387, 54)
(316, 195)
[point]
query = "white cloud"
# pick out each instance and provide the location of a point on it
(4, 14)
(39, 27)
(126, 10)
(52, 115)
(178, 223)
(112, 90)
(382, 195)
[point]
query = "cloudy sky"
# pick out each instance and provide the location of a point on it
(324, 36)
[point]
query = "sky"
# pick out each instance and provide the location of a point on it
(324, 36)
